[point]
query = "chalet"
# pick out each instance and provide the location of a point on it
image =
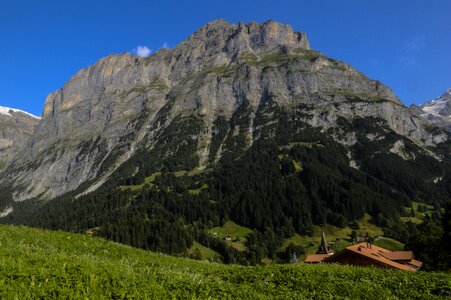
(365, 254)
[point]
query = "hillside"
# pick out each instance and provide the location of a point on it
(241, 123)
(44, 264)
(211, 97)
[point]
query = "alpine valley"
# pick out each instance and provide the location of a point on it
(240, 124)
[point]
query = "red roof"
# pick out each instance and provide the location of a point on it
(386, 257)
(316, 258)
(415, 263)
(398, 255)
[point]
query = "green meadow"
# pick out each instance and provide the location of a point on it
(43, 264)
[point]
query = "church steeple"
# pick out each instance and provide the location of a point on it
(324, 247)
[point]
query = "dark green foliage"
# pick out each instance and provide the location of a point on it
(196, 255)
(422, 208)
(236, 141)
(430, 246)
(121, 217)
(412, 211)
(292, 252)
(176, 149)
(412, 177)
(178, 144)
(255, 185)
(354, 225)
(287, 166)
(432, 243)
(220, 130)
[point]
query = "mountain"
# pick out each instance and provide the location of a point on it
(239, 122)
(16, 127)
(437, 111)
(106, 112)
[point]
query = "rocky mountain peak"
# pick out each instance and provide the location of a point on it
(437, 111)
(255, 37)
(222, 75)
(16, 127)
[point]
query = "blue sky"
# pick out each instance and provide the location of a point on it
(405, 44)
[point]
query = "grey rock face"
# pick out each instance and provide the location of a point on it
(107, 111)
(16, 127)
(437, 111)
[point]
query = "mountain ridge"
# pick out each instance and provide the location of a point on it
(127, 99)
(240, 122)
(437, 110)
(16, 126)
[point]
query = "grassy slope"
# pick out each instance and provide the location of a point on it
(205, 252)
(42, 264)
(419, 216)
(337, 237)
(236, 232)
(389, 244)
(148, 180)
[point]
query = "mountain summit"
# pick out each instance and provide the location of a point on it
(437, 111)
(240, 122)
(214, 95)
(254, 37)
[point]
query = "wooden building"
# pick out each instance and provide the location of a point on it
(365, 254)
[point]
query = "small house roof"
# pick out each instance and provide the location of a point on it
(415, 263)
(380, 254)
(316, 258)
(398, 255)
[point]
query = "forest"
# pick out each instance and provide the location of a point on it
(291, 178)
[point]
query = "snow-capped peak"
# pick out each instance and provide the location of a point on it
(7, 111)
(434, 107)
(437, 111)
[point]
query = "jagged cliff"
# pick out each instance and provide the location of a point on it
(16, 127)
(109, 111)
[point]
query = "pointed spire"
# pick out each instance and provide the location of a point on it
(324, 247)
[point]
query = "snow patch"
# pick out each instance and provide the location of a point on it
(7, 111)
(434, 107)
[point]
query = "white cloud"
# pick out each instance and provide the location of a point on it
(165, 45)
(142, 51)
(411, 52)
